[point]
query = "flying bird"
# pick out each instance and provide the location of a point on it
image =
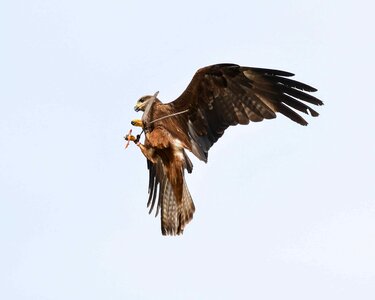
(217, 97)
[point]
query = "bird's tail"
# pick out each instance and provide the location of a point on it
(175, 216)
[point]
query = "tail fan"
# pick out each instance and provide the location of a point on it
(174, 216)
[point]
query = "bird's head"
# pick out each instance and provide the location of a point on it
(144, 101)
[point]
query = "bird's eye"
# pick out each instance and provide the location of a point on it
(141, 100)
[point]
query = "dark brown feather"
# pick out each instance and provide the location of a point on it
(224, 95)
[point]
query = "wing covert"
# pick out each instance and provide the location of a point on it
(224, 95)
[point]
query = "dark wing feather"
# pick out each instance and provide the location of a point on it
(153, 184)
(223, 95)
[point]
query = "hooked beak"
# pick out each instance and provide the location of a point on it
(136, 108)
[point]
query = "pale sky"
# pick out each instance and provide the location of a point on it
(282, 211)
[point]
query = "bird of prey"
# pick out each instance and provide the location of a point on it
(217, 97)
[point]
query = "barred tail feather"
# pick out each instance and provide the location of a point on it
(167, 200)
(186, 208)
(174, 216)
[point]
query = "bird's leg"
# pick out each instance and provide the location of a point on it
(137, 122)
(132, 138)
(148, 152)
(129, 137)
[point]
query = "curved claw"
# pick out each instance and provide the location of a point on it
(137, 138)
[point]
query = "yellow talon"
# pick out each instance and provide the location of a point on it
(130, 137)
(137, 122)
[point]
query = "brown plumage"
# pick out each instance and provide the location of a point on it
(217, 97)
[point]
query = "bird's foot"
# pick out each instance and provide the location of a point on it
(137, 123)
(129, 137)
(132, 138)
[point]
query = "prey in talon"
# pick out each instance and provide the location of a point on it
(129, 137)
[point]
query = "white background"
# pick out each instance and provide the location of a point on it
(283, 211)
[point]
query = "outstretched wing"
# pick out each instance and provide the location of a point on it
(227, 94)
